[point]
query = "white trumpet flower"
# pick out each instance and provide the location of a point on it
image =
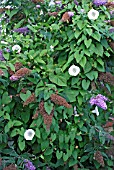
(74, 70)
(51, 3)
(29, 134)
(93, 14)
(16, 48)
(96, 111)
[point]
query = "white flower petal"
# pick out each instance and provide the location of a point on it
(93, 14)
(51, 3)
(96, 111)
(29, 134)
(41, 12)
(52, 48)
(16, 48)
(4, 42)
(75, 112)
(74, 70)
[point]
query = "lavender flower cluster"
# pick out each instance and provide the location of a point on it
(76, 2)
(99, 101)
(111, 30)
(15, 78)
(23, 30)
(99, 2)
(29, 165)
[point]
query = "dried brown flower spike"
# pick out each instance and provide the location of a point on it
(110, 5)
(111, 45)
(55, 98)
(0, 161)
(18, 65)
(20, 73)
(36, 1)
(99, 158)
(35, 116)
(52, 13)
(107, 78)
(112, 22)
(23, 90)
(47, 118)
(3, 9)
(10, 167)
(1, 72)
(31, 99)
(65, 17)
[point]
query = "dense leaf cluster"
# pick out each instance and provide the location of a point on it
(37, 92)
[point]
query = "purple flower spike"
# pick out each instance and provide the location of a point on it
(58, 2)
(7, 50)
(100, 96)
(111, 30)
(111, 12)
(1, 56)
(29, 165)
(99, 101)
(23, 30)
(14, 78)
(70, 14)
(76, 2)
(99, 2)
(38, 6)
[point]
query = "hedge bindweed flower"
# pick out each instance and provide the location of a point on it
(16, 48)
(99, 2)
(29, 165)
(70, 13)
(75, 112)
(74, 70)
(82, 11)
(29, 134)
(4, 42)
(93, 14)
(52, 3)
(96, 111)
(51, 47)
(99, 101)
(41, 12)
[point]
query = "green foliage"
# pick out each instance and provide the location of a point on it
(50, 47)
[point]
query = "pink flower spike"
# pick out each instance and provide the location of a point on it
(38, 6)
(58, 2)
(70, 14)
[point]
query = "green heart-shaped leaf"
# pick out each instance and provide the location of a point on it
(87, 42)
(24, 97)
(59, 154)
(48, 107)
(85, 84)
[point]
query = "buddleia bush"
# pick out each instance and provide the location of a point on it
(56, 84)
